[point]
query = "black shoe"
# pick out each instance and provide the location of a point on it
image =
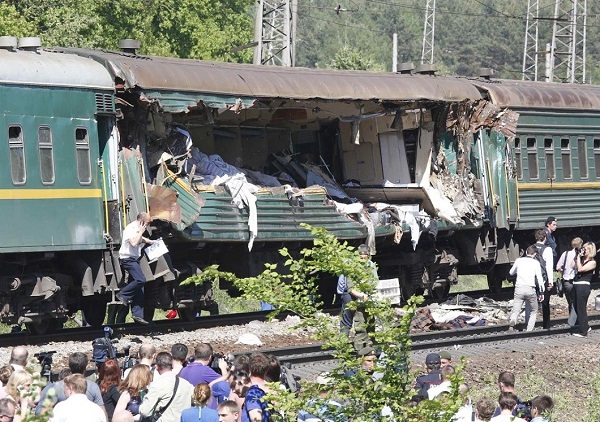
(121, 300)
(140, 320)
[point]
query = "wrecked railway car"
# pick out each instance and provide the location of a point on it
(436, 174)
(259, 150)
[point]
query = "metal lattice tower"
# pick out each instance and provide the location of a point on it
(275, 32)
(428, 33)
(568, 41)
(530, 51)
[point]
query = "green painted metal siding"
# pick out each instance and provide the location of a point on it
(67, 220)
(568, 195)
(220, 221)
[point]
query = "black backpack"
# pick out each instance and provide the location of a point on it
(539, 258)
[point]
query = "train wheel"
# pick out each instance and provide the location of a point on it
(439, 291)
(93, 311)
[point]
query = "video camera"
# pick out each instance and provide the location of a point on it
(45, 360)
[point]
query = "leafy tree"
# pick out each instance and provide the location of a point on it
(201, 29)
(351, 59)
(13, 23)
(365, 396)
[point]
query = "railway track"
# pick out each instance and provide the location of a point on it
(171, 326)
(312, 359)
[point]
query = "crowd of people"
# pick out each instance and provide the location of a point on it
(172, 387)
(507, 407)
(536, 282)
(163, 386)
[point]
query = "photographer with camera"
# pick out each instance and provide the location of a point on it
(200, 370)
(146, 354)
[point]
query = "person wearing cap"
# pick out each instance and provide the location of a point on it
(433, 376)
(349, 293)
(549, 228)
(445, 358)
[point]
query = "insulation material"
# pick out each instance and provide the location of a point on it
(163, 204)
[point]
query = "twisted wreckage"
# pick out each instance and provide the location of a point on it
(235, 157)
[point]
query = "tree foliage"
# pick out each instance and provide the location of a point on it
(365, 396)
(201, 29)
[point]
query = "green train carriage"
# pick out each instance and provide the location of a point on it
(51, 193)
(550, 168)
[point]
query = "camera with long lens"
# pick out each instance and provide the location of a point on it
(214, 361)
(45, 361)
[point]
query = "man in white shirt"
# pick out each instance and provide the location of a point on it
(527, 287)
(129, 257)
(77, 407)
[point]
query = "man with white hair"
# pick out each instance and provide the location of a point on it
(18, 358)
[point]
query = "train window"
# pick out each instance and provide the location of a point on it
(82, 146)
(597, 157)
(582, 155)
(532, 158)
(16, 148)
(518, 158)
(46, 155)
(549, 151)
(565, 152)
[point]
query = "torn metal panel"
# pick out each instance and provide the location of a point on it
(189, 202)
(464, 119)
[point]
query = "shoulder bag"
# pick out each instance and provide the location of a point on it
(158, 413)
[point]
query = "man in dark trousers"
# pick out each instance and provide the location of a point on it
(129, 257)
(547, 263)
(433, 376)
(549, 228)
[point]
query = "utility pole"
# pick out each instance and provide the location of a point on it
(530, 51)
(428, 33)
(275, 32)
(568, 48)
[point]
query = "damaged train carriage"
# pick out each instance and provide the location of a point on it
(553, 166)
(254, 151)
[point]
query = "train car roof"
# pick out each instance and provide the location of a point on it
(245, 80)
(52, 69)
(514, 94)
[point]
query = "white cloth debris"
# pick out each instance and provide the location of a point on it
(249, 339)
(242, 195)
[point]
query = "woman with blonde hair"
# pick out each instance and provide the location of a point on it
(200, 412)
(585, 265)
(18, 389)
(133, 388)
